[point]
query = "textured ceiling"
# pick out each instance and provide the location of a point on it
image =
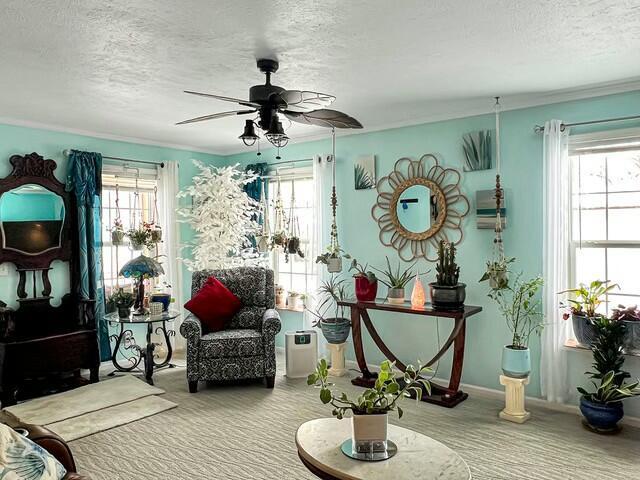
(119, 67)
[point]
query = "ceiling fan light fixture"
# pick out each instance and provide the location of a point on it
(249, 135)
(275, 134)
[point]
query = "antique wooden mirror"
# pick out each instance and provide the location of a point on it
(420, 203)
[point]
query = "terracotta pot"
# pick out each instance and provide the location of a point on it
(369, 433)
(365, 290)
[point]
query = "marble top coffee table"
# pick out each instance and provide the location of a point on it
(418, 456)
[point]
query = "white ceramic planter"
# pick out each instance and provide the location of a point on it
(294, 302)
(334, 265)
(369, 433)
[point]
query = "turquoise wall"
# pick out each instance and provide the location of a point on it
(414, 337)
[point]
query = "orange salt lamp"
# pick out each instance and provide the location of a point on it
(418, 295)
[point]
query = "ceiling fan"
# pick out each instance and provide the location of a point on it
(268, 101)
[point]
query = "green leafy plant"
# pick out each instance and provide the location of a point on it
(382, 398)
(497, 272)
(121, 299)
(142, 235)
(588, 298)
(520, 307)
(609, 392)
(363, 179)
(332, 252)
(448, 272)
(396, 278)
(329, 293)
(361, 271)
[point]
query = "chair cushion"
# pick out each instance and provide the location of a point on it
(231, 343)
(214, 305)
(247, 317)
(249, 284)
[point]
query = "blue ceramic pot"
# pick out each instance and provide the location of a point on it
(335, 330)
(516, 363)
(603, 417)
(163, 298)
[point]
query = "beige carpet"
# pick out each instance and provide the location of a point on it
(92, 408)
(247, 432)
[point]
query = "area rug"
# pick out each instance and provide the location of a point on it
(92, 408)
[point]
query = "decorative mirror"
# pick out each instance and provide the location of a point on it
(420, 203)
(31, 219)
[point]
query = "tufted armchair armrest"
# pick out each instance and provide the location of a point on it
(191, 328)
(270, 323)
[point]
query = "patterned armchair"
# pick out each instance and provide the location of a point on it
(246, 348)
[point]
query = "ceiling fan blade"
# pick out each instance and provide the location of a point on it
(246, 103)
(324, 118)
(216, 115)
(303, 100)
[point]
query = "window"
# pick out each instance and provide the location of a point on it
(295, 273)
(120, 183)
(605, 204)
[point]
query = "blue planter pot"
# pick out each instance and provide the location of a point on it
(335, 330)
(516, 363)
(601, 417)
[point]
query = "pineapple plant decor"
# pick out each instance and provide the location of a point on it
(447, 293)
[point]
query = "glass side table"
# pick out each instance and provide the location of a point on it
(135, 354)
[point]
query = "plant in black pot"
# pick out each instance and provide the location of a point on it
(122, 301)
(520, 306)
(447, 293)
(583, 308)
(330, 316)
(602, 408)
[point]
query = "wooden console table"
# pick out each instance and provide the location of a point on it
(448, 396)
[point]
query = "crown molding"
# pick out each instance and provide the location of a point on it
(105, 136)
(478, 106)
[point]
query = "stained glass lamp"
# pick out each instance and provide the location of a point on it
(141, 268)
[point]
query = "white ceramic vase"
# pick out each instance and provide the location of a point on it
(369, 433)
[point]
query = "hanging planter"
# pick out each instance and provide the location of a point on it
(156, 234)
(292, 246)
(117, 230)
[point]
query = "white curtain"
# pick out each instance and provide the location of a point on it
(168, 205)
(556, 211)
(320, 238)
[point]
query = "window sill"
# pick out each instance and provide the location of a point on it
(571, 344)
(287, 309)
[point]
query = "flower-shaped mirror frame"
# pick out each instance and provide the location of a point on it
(451, 204)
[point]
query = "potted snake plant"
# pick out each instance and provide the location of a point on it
(447, 293)
(369, 410)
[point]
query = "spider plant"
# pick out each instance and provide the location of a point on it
(329, 293)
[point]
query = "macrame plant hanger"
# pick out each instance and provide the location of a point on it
(498, 246)
(279, 238)
(117, 226)
(293, 238)
(263, 242)
(335, 244)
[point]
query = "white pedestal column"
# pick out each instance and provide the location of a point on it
(514, 399)
(337, 368)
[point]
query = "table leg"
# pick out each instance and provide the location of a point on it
(125, 336)
(148, 356)
(368, 378)
(167, 335)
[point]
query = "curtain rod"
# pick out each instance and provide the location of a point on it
(127, 160)
(540, 129)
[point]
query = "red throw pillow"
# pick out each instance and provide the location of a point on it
(214, 305)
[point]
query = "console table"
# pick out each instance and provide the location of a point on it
(448, 396)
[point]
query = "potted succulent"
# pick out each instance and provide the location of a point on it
(583, 308)
(366, 282)
(630, 316)
(369, 410)
(602, 408)
(396, 281)
(446, 292)
(293, 300)
(117, 232)
(498, 273)
(332, 258)
(521, 309)
(123, 302)
(330, 316)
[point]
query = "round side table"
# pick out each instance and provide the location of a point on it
(418, 456)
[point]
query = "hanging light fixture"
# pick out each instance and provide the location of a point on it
(249, 136)
(275, 134)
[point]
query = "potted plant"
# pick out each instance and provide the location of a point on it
(369, 410)
(140, 237)
(630, 316)
(281, 300)
(330, 316)
(521, 309)
(293, 300)
(498, 273)
(366, 282)
(117, 232)
(583, 308)
(396, 281)
(446, 292)
(155, 233)
(332, 258)
(123, 302)
(602, 408)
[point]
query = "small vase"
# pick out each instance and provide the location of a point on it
(366, 291)
(369, 433)
(293, 302)
(334, 264)
(516, 362)
(117, 237)
(395, 296)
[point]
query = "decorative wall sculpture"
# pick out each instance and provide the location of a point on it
(420, 203)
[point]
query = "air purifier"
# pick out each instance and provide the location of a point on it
(301, 352)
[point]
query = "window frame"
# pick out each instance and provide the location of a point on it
(612, 141)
